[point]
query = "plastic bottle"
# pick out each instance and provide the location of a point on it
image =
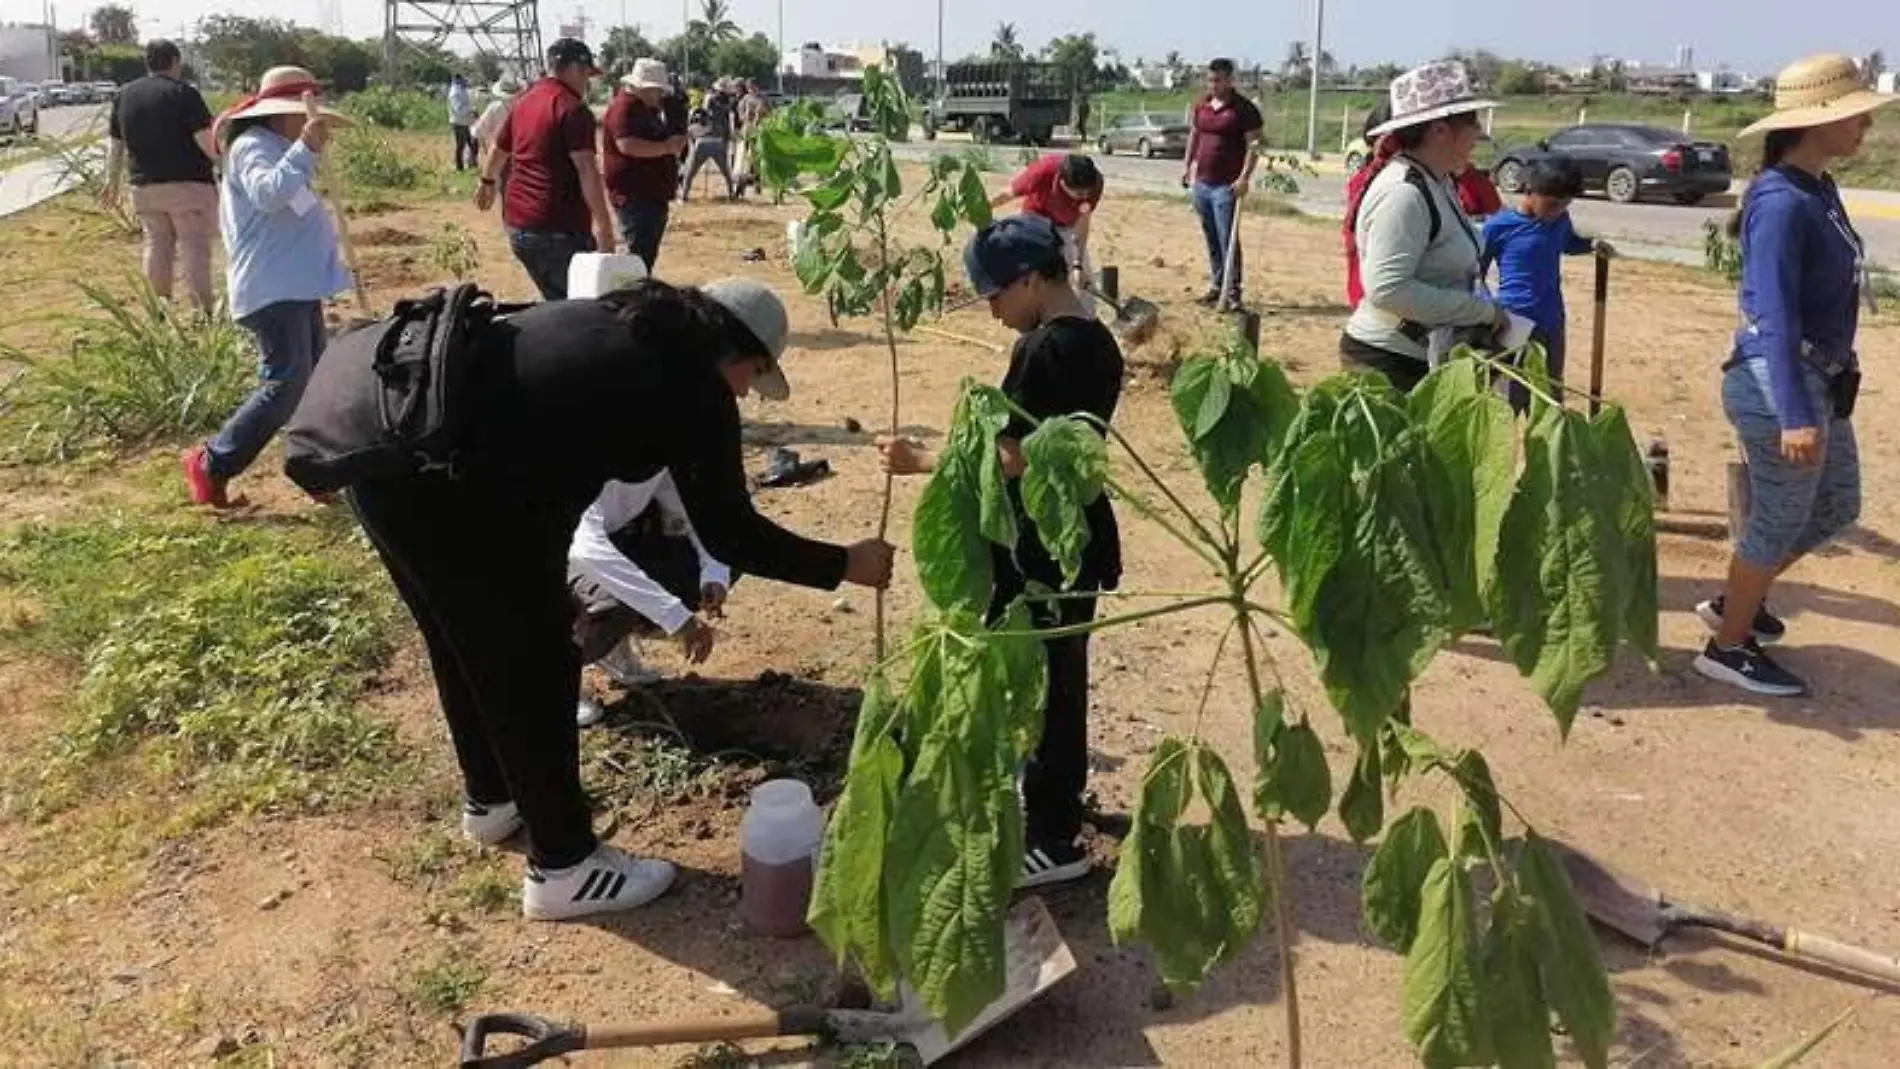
(778, 845)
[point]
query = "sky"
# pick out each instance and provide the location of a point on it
(1758, 36)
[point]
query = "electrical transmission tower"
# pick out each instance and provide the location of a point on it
(508, 30)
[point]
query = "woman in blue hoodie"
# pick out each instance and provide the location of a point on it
(1790, 384)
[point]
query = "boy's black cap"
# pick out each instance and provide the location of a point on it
(1080, 171)
(1008, 249)
(568, 51)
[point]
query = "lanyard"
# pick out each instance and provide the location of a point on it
(1844, 227)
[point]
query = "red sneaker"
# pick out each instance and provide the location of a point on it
(206, 488)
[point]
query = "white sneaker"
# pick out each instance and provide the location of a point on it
(609, 880)
(489, 825)
(622, 665)
(589, 713)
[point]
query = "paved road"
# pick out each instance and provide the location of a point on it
(1651, 231)
(26, 184)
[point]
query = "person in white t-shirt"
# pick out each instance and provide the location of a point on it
(636, 568)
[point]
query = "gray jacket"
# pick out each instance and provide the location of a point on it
(1409, 276)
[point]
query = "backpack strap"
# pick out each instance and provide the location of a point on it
(1416, 179)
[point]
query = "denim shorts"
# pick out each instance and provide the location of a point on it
(1792, 509)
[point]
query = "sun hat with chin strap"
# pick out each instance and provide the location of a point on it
(1819, 90)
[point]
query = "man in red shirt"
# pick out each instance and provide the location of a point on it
(641, 158)
(1064, 190)
(556, 204)
(1220, 163)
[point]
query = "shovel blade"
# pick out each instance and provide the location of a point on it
(1613, 900)
(1136, 321)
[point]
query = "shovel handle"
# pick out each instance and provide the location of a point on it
(797, 1021)
(1602, 316)
(1833, 952)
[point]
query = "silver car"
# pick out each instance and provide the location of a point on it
(19, 109)
(1144, 135)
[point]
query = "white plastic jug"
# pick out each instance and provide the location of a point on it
(794, 236)
(778, 846)
(596, 274)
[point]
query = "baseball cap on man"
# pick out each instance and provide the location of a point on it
(762, 314)
(1008, 249)
(568, 51)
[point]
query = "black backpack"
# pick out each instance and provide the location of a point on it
(389, 398)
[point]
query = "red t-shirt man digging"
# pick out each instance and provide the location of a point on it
(1064, 190)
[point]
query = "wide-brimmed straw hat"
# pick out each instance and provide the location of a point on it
(646, 74)
(1819, 90)
(505, 87)
(280, 92)
(1429, 93)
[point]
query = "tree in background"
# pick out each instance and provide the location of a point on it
(754, 58)
(1873, 67)
(623, 45)
(1006, 45)
(1483, 66)
(1075, 55)
(1518, 79)
(114, 24)
(1178, 71)
(486, 68)
(338, 62)
(427, 65)
(241, 49)
(714, 24)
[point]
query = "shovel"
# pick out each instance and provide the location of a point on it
(1035, 958)
(1647, 916)
(1135, 319)
(335, 198)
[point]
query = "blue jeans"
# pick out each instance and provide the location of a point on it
(1215, 204)
(545, 254)
(290, 337)
(642, 225)
(1792, 510)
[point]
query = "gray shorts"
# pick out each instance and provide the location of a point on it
(1792, 510)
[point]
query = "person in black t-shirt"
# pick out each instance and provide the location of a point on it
(1066, 362)
(161, 127)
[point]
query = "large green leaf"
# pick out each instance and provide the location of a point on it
(1294, 778)
(847, 905)
(1557, 603)
(1192, 893)
(953, 557)
(1629, 495)
(1303, 522)
(1569, 962)
(1066, 467)
(1395, 877)
(1520, 1021)
(1361, 805)
(1444, 985)
(1473, 776)
(1471, 436)
(1018, 667)
(808, 153)
(975, 199)
(1236, 411)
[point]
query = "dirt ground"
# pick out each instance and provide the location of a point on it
(294, 937)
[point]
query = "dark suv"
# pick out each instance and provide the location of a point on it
(1626, 162)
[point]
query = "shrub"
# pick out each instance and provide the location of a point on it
(1721, 253)
(365, 159)
(455, 253)
(398, 109)
(139, 372)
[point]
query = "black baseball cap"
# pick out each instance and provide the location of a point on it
(1010, 248)
(1080, 172)
(567, 51)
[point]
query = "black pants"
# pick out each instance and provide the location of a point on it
(484, 572)
(465, 146)
(642, 226)
(1058, 772)
(1404, 372)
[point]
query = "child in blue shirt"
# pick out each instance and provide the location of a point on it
(1528, 245)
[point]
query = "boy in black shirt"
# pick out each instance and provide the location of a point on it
(1066, 362)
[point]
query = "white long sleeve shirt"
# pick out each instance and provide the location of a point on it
(594, 554)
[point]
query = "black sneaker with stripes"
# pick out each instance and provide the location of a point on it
(608, 880)
(1050, 861)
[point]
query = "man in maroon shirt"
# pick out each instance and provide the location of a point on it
(1220, 162)
(642, 159)
(556, 204)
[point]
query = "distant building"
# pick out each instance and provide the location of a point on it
(1157, 76)
(846, 62)
(1685, 57)
(1889, 83)
(1724, 81)
(29, 52)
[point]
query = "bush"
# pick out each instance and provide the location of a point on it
(138, 373)
(398, 109)
(365, 159)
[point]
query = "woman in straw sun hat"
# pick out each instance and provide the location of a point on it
(1789, 385)
(283, 262)
(1418, 250)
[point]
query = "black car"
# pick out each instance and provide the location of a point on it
(1626, 162)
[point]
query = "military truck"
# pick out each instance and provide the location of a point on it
(1001, 100)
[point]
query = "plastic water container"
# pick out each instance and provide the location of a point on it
(778, 846)
(596, 274)
(794, 236)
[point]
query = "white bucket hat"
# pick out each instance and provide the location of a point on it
(646, 74)
(755, 305)
(1429, 93)
(1819, 90)
(505, 87)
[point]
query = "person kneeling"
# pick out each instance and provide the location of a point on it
(637, 569)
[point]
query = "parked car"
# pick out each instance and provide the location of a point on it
(103, 92)
(1145, 136)
(19, 108)
(1627, 162)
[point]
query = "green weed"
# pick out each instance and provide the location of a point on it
(454, 252)
(366, 160)
(981, 158)
(716, 1056)
(138, 372)
(1721, 252)
(447, 985)
(398, 109)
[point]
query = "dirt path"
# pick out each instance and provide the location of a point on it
(1785, 810)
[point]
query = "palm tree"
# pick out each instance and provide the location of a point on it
(715, 22)
(1005, 45)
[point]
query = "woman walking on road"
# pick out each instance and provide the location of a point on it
(575, 394)
(1789, 387)
(284, 263)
